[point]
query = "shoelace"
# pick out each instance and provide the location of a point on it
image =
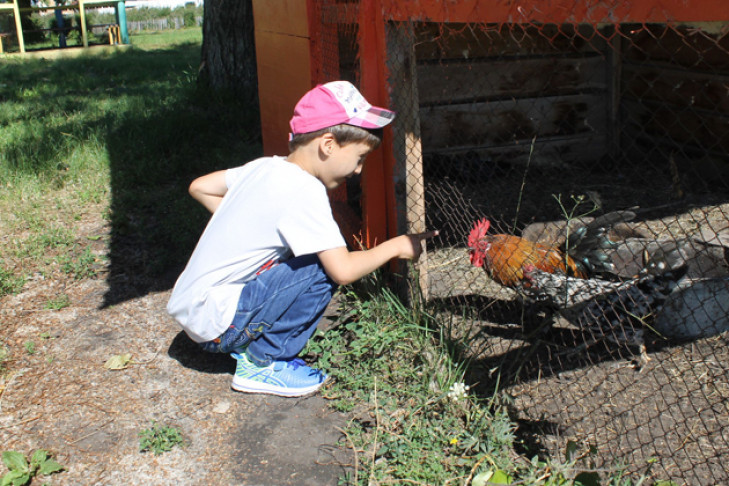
(297, 362)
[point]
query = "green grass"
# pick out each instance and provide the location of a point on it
(120, 136)
(166, 39)
(414, 420)
(57, 303)
(126, 130)
(159, 439)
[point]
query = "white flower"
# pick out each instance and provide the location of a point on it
(457, 391)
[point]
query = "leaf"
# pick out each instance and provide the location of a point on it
(21, 480)
(118, 362)
(15, 461)
(14, 477)
(570, 450)
(482, 478)
(49, 466)
(500, 477)
(588, 479)
(39, 456)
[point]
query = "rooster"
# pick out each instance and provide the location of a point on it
(564, 292)
(504, 256)
(615, 311)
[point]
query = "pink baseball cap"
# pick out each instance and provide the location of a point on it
(333, 104)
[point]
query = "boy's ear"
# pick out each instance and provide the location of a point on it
(326, 144)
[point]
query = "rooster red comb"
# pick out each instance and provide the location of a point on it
(479, 231)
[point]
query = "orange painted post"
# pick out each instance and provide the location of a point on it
(378, 194)
(557, 11)
(283, 60)
(325, 68)
(290, 41)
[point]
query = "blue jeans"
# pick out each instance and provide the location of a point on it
(278, 311)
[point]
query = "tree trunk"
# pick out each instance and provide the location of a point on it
(228, 49)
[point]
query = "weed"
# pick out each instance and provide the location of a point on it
(59, 302)
(415, 418)
(21, 471)
(29, 347)
(80, 266)
(159, 439)
(3, 357)
(10, 283)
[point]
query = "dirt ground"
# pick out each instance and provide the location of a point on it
(63, 399)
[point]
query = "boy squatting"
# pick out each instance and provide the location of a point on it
(272, 255)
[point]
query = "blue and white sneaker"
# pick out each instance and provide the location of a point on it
(290, 378)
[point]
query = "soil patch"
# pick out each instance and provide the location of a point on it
(56, 394)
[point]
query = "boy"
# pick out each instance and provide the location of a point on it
(272, 255)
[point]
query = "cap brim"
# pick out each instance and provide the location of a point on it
(374, 117)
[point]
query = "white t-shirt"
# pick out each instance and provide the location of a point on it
(273, 210)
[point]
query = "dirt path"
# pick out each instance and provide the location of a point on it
(62, 398)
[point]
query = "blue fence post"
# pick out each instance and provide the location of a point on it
(60, 24)
(121, 19)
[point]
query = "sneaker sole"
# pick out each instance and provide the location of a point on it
(250, 386)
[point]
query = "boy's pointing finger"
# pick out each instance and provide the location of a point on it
(428, 234)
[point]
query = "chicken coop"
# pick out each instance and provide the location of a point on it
(545, 118)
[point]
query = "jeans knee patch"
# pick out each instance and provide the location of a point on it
(254, 329)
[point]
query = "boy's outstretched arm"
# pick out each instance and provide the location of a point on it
(344, 266)
(209, 189)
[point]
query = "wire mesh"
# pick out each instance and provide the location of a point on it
(543, 129)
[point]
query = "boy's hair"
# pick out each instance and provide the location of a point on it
(343, 134)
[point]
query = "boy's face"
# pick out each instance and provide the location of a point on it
(343, 162)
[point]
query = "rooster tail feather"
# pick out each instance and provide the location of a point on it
(588, 245)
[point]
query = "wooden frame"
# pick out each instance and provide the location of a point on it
(80, 5)
(289, 50)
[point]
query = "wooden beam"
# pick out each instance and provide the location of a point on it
(377, 170)
(556, 11)
(409, 184)
(18, 26)
(82, 15)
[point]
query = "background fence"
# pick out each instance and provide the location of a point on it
(536, 123)
(160, 24)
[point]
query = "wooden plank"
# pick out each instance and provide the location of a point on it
(282, 81)
(478, 163)
(410, 195)
(67, 6)
(282, 16)
(556, 11)
(683, 46)
(453, 82)
(697, 128)
(18, 26)
(498, 122)
(680, 88)
(378, 196)
(82, 15)
(483, 40)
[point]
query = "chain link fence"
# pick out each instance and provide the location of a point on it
(543, 128)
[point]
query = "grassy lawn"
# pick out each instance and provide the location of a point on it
(122, 135)
(124, 131)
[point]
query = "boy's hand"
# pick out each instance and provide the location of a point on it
(412, 245)
(344, 267)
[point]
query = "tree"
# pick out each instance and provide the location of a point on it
(228, 48)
